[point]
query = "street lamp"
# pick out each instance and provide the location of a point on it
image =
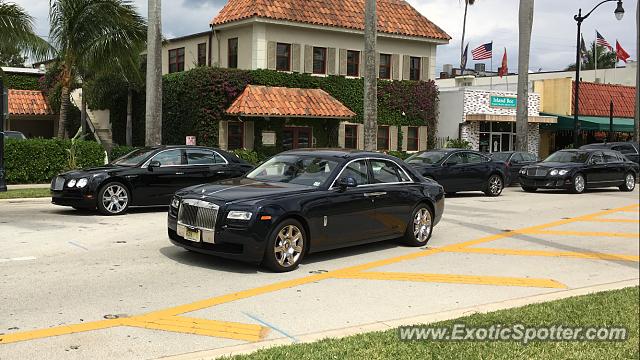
(619, 13)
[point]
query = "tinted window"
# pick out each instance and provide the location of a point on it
(385, 172)
(427, 157)
(625, 149)
(456, 159)
(518, 157)
(475, 158)
(611, 157)
(133, 158)
(169, 157)
(530, 157)
(500, 156)
(597, 158)
(568, 157)
(358, 171)
(203, 157)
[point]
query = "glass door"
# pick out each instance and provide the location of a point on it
(496, 142)
(296, 137)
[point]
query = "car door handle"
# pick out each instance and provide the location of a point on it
(179, 173)
(221, 172)
(374, 194)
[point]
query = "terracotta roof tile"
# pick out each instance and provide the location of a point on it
(595, 99)
(288, 102)
(28, 102)
(394, 16)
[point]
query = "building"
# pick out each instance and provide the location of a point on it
(30, 113)
(486, 118)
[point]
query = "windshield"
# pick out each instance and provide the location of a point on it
(500, 156)
(568, 157)
(14, 135)
(295, 169)
(133, 158)
(428, 157)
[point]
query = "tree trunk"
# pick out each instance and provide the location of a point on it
(129, 128)
(370, 77)
(525, 23)
(636, 133)
(464, 31)
(83, 113)
(153, 115)
(64, 108)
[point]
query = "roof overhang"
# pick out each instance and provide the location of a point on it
(511, 118)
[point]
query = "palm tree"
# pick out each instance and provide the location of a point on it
(464, 26)
(16, 31)
(153, 114)
(525, 24)
(606, 59)
(90, 36)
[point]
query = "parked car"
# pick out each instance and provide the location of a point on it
(515, 160)
(144, 177)
(629, 149)
(462, 170)
(304, 201)
(577, 170)
(17, 135)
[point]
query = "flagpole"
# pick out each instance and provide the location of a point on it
(615, 65)
(491, 72)
(595, 58)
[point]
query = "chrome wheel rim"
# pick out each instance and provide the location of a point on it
(579, 183)
(115, 199)
(422, 225)
(631, 182)
(288, 246)
(495, 185)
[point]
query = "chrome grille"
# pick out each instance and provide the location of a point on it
(199, 214)
(57, 183)
(537, 172)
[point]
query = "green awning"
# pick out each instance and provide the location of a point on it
(594, 123)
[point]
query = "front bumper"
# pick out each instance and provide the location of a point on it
(73, 197)
(546, 182)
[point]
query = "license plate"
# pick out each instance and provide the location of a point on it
(192, 235)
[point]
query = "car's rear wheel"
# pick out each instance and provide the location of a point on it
(579, 184)
(495, 185)
(286, 246)
(420, 227)
(529, 189)
(113, 199)
(629, 182)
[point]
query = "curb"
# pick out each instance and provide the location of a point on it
(28, 186)
(41, 200)
(390, 324)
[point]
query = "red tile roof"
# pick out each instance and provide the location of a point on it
(288, 102)
(394, 16)
(595, 98)
(28, 102)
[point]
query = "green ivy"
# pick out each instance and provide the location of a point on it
(21, 82)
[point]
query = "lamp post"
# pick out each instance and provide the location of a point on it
(619, 13)
(3, 183)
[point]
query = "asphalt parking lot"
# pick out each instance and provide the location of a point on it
(79, 285)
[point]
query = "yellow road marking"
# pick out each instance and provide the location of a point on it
(173, 311)
(455, 279)
(634, 221)
(569, 254)
(581, 233)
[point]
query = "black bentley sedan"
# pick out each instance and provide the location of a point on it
(462, 170)
(144, 177)
(515, 161)
(577, 170)
(304, 201)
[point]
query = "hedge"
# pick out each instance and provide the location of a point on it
(21, 82)
(35, 161)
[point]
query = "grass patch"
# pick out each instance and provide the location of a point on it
(617, 308)
(25, 193)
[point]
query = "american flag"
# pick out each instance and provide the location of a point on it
(483, 52)
(600, 40)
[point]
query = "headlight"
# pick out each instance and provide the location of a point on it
(175, 202)
(523, 171)
(553, 172)
(82, 183)
(563, 172)
(71, 183)
(239, 215)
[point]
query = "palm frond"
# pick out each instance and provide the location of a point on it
(16, 31)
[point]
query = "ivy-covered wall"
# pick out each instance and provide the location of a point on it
(21, 82)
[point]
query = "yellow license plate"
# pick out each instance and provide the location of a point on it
(192, 235)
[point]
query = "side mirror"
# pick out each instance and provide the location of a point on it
(153, 164)
(346, 182)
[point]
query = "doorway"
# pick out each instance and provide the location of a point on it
(296, 137)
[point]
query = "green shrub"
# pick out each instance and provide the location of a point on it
(399, 154)
(249, 156)
(39, 160)
(120, 150)
(21, 82)
(458, 144)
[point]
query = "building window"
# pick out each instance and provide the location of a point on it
(351, 136)
(176, 60)
(235, 135)
(319, 60)
(414, 68)
(385, 66)
(353, 63)
(283, 57)
(383, 138)
(202, 54)
(233, 53)
(497, 136)
(412, 138)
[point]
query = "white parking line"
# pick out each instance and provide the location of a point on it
(25, 258)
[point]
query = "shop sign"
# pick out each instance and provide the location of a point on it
(503, 101)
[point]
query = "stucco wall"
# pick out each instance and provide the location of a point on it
(555, 95)
(190, 51)
(450, 113)
(220, 47)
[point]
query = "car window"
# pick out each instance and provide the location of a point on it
(500, 156)
(597, 158)
(385, 172)
(611, 157)
(358, 171)
(475, 158)
(203, 157)
(295, 169)
(625, 149)
(456, 159)
(427, 157)
(169, 157)
(518, 157)
(530, 157)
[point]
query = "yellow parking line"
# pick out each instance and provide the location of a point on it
(214, 328)
(455, 279)
(60, 330)
(569, 254)
(581, 233)
(633, 221)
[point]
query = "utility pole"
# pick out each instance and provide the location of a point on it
(3, 110)
(153, 115)
(370, 77)
(525, 25)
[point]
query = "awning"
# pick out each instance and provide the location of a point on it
(510, 118)
(595, 123)
(267, 101)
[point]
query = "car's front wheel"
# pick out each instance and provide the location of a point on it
(113, 199)
(629, 182)
(495, 185)
(286, 246)
(420, 228)
(579, 184)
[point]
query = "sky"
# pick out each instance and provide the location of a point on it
(552, 44)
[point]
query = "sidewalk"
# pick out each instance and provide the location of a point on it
(28, 186)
